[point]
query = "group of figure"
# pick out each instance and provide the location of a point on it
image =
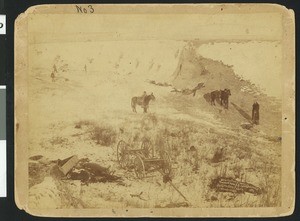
(220, 95)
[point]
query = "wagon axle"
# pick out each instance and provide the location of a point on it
(142, 160)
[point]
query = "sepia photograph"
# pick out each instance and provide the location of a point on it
(155, 110)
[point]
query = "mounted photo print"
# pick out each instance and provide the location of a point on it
(155, 110)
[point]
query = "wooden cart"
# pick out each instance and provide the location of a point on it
(125, 153)
(144, 165)
(143, 160)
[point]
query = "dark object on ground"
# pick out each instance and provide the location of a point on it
(81, 175)
(274, 138)
(96, 170)
(192, 148)
(92, 173)
(138, 196)
(167, 178)
(175, 205)
(247, 126)
(56, 173)
(78, 126)
(189, 91)
(81, 169)
(36, 157)
(224, 184)
(213, 198)
(67, 164)
(165, 84)
(218, 156)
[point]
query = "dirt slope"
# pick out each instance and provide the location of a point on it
(193, 68)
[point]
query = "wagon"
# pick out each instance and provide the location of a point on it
(143, 160)
(125, 153)
(143, 165)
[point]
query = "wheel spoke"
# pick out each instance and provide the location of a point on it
(139, 167)
(147, 148)
(122, 155)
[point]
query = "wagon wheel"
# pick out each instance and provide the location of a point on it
(139, 167)
(122, 155)
(166, 165)
(147, 148)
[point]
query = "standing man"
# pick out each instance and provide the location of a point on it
(143, 98)
(52, 76)
(54, 69)
(144, 95)
(255, 113)
(53, 73)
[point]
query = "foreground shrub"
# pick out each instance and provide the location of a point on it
(104, 135)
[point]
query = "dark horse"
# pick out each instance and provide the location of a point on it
(142, 101)
(225, 97)
(214, 95)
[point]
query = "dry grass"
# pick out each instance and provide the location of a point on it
(243, 159)
(104, 135)
(58, 140)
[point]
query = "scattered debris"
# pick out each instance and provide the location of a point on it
(36, 157)
(138, 196)
(247, 126)
(225, 184)
(71, 168)
(167, 179)
(58, 140)
(213, 198)
(176, 205)
(218, 156)
(78, 126)
(187, 91)
(274, 138)
(158, 183)
(92, 173)
(165, 84)
(67, 164)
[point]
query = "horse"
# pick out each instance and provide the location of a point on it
(142, 101)
(214, 95)
(224, 95)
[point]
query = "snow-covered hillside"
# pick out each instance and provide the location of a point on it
(92, 90)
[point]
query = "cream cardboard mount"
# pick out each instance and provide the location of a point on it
(155, 110)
